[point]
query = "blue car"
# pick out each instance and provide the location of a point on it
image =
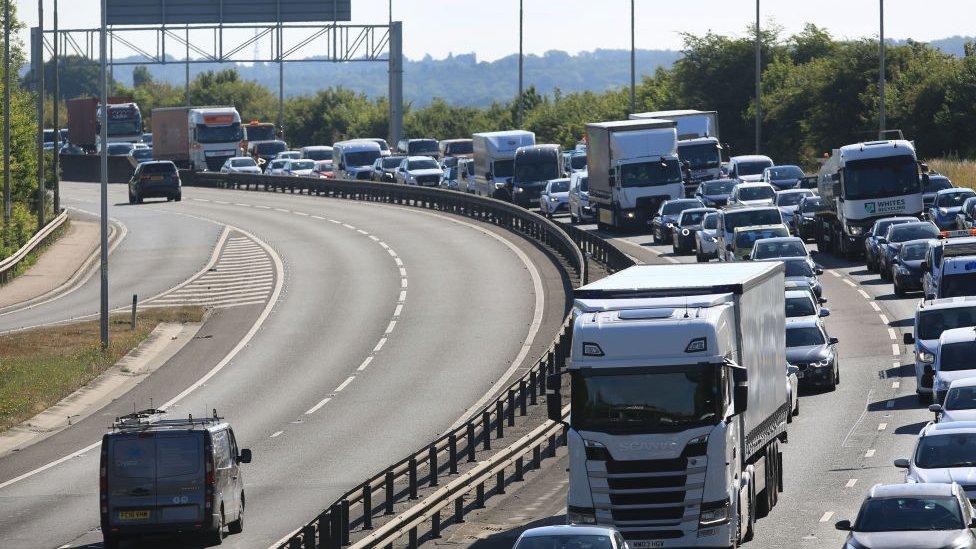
(667, 217)
(875, 239)
(715, 193)
(946, 205)
(907, 273)
(899, 234)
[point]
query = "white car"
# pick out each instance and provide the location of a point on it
(944, 453)
(579, 197)
(706, 239)
(749, 167)
(276, 167)
(954, 360)
(240, 164)
(299, 168)
(960, 402)
(571, 537)
(420, 170)
(752, 194)
(555, 197)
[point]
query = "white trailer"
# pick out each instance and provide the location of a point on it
(698, 143)
(678, 405)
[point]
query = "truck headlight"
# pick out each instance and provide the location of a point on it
(855, 230)
(713, 513)
(580, 515)
(925, 357)
(519, 190)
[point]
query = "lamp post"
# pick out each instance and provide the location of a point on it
(520, 67)
(758, 76)
(103, 76)
(881, 74)
(633, 75)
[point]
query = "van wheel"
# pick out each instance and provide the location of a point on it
(216, 537)
(110, 542)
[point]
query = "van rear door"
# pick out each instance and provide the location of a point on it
(132, 479)
(180, 477)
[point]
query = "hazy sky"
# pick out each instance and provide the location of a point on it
(490, 27)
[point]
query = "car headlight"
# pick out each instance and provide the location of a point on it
(822, 363)
(519, 190)
(944, 211)
(500, 185)
(553, 199)
(669, 225)
(925, 357)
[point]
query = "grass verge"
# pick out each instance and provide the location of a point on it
(962, 173)
(39, 367)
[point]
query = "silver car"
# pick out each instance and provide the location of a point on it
(571, 537)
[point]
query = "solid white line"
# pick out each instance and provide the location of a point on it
(884, 319)
(374, 238)
(315, 408)
(398, 310)
(403, 296)
(869, 453)
(826, 516)
(385, 247)
(882, 426)
(851, 483)
(318, 217)
(348, 226)
(399, 261)
(221, 202)
(229, 304)
(391, 252)
(403, 272)
(301, 213)
(379, 345)
(365, 364)
(403, 282)
(835, 273)
(276, 434)
(390, 327)
(335, 221)
(849, 283)
(243, 254)
(362, 231)
(239, 204)
(263, 207)
(892, 335)
(875, 306)
(895, 350)
(344, 384)
(863, 294)
(282, 210)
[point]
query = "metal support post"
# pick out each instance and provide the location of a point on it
(758, 77)
(57, 115)
(881, 75)
(6, 120)
(396, 82)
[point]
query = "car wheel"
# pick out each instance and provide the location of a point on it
(179, 196)
(138, 199)
(899, 291)
(132, 199)
(832, 384)
(796, 409)
(655, 239)
(699, 257)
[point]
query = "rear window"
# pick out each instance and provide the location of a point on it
(132, 457)
(157, 169)
(178, 455)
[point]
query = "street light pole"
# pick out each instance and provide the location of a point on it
(881, 75)
(103, 76)
(57, 116)
(6, 120)
(520, 67)
(758, 76)
(633, 76)
(39, 79)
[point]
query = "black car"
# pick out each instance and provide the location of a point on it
(804, 218)
(156, 179)
(898, 235)
(875, 239)
(931, 185)
(667, 216)
(689, 222)
(815, 354)
(907, 272)
(384, 168)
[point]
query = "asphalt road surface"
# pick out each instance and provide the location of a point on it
(385, 324)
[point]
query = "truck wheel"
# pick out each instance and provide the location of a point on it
(750, 524)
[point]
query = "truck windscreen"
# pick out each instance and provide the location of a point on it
(540, 168)
(650, 174)
(503, 168)
(647, 401)
(881, 178)
(260, 133)
(219, 134)
(700, 156)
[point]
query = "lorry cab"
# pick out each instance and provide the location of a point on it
(124, 123)
(170, 476)
(419, 147)
(932, 318)
(732, 218)
(494, 161)
(354, 159)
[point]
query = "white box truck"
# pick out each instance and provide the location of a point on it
(862, 183)
(678, 404)
(494, 160)
(698, 143)
(198, 138)
(633, 167)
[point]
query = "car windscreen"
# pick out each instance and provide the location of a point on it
(323, 165)
(946, 450)
(778, 248)
(273, 147)
(503, 168)
(811, 205)
(577, 162)
(914, 251)
(804, 336)
(361, 158)
(753, 167)
(317, 154)
(677, 206)
(141, 154)
(798, 267)
(953, 199)
(960, 398)
(746, 218)
(559, 186)
(778, 173)
(909, 513)
(391, 162)
(425, 164)
(756, 193)
(789, 199)
(800, 306)
(710, 221)
(912, 231)
(717, 187)
(931, 323)
(954, 357)
(937, 184)
(584, 184)
(119, 149)
(160, 168)
(881, 227)
(564, 541)
(689, 218)
(302, 165)
(243, 162)
(745, 239)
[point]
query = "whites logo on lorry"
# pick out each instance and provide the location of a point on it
(885, 206)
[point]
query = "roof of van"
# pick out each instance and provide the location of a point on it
(690, 279)
(751, 158)
(361, 144)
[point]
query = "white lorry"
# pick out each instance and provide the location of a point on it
(198, 138)
(862, 183)
(698, 143)
(677, 402)
(494, 160)
(633, 167)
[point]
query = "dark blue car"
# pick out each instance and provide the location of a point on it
(907, 271)
(897, 236)
(875, 239)
(667, 217)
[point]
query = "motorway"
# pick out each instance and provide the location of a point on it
(841, 444)
(363, 331)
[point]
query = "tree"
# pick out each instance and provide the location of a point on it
(141, 76)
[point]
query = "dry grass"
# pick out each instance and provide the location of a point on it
(962, 173)
(39, 367)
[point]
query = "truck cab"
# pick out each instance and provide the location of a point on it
(535, 165)
(215, 135)
(699, 148)
(494, 161)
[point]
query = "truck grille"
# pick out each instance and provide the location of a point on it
(651, 534)
(666, 513)
(647, 205)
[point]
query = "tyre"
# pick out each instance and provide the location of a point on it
(138, 199)
(654, 237)
(832, 384)
(750, 524)
(796, 409)
(132, 199)
(237, 526)
(674, 249)
(179, 196)
(899, 291)
(110, 542)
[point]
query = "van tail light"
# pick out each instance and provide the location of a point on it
(103, 481)
(210, 474)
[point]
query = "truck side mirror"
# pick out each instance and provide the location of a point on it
(909, 339)
(740, 377)
(554, 398)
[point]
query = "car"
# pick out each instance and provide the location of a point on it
(574, 161)
(383, 145)
(452, 150)
(932, 185)
(685, 230)
(385, 167)
(804, 304)
(554, 197)
(120, 149)
(966, 218)
(450, 179)
(579, 198)
(155, 179)
(706, 238)
(419, 147)
(918, 515)
(959, 403)
(749, 167)
(907, 266)
(752, 194)
(571, 536)
(465, 168)
(944, 452)
(874, 239)
(792, 391)
(802, 272)
(787, 202)
(896, 236)
(783, 177)
(732, 218)
(299, 168)
(316, 152)
(420, 170)
(805, 216)
(715, 193)
(186, 471)
(814, 353)
(147, 137)
(932, 318)
(950, 249)
(288, 155)
(745, 237)
(325, 169)
(266, 150)
(667, 215)
(781, 246)
(946, 205)
(240, 164)
(954, 360)
(140, 155)
(276, 167)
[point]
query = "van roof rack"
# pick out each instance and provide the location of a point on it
(151, 417)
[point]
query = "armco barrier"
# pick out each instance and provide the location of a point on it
(87, 168)
(399, 482)
(9, 265)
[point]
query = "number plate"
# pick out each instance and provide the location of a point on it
(133, 515)
(645, 543)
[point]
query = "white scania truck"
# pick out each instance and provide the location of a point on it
(861, 183)
(633, 167)
(698, 143)
(678, 406)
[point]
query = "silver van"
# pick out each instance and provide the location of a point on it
(170, 476)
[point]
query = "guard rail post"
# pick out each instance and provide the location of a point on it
(479, 496)
(432, 462)
(459, 510)
(523, 401)
(500, 419)
(511, 407)
(452, 453)
(471, 442)
(435, 525)
(308, 537)
(533, 385)
(519, 465)
(536, 457)
(344, 521)
(412, 471)
(486, 430)
(367, 506)
(335, 528)
(500, 482)
(388, 484)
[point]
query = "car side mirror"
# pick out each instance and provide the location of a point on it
(822, 300)
(909, 339)
(924, 167)
(936, 409)
(728, 247)
(554, 397)
(901, 463)
(818, 271)
(245, 456)
(834, 341)
(844, 525)
(824, 313)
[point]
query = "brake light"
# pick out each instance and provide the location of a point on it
(211, 479)
(103, 480)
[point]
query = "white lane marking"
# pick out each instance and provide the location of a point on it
(863, 294)
(399, 261)
(895, 384)
(390, 327)
(335, 221)
(239, 204)
(201, 200)
(315, 408)
(385, 246)
(875, 306)
(884, 319)
(826, 516)
(835, 273)
(360, 231)
(398, 310)
(379, 344)
(890, 404)
(403, 272)
(365, 363)
(374, 238)
(348, 226)
(301, 213)
(263, 207)
(892, 335)
(869, 453)
(403, 296)
(895, 350)
(882, 426)
(849, 283)
(851, 483)
(317, 217)
(864, 411)
(403, 282)
(221, 202)
(276, 434)
(282, 210)
(344, 384)
(391, 252)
